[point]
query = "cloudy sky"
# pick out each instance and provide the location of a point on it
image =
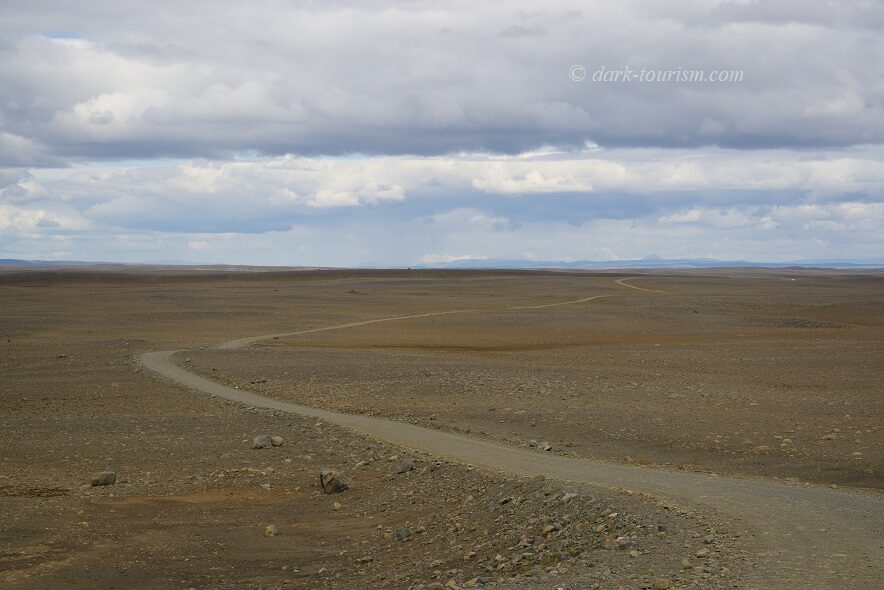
(379, 132)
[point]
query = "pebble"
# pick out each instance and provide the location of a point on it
(271, 530)
(277, 441)
(263, 441)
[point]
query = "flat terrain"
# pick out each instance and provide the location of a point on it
(769, 374)
(777, 375)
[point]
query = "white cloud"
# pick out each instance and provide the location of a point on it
(197, 245)
(443, 258)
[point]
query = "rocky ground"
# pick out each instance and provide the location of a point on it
(773, 374)
(194, 505)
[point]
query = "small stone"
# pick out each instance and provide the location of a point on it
(544, 446)
(661, 584)
(337, 506)
(634, 553)
(104, 478)
(405, 465)
(271, 530)
(333, 482)
(263, 441)
(277, 441)
(402, 533)
(703, 552)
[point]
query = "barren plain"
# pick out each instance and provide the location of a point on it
(765, 378)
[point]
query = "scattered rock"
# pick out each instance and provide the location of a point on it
(271, 530)
(402, 533)
(277, 441)
(661, 584)
(405, 465)
(544, 446)
(104, 478)
(332, 482)
(263, 441)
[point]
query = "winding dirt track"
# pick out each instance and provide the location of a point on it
(805, 535)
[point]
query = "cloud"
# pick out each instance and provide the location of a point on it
(428, 78)
(442, 258)
(383, 132)
(272, 194)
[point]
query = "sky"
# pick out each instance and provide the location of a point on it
(398, 133)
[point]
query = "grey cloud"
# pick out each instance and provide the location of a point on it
(216, 79)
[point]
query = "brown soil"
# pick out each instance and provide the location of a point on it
(776, 374)
(636, 374)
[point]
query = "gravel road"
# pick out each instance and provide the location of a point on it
(806, 535)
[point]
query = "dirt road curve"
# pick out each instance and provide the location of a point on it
(806, 535)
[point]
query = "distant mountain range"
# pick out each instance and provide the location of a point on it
(466, 263)
(14, 263)
(649, 262)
